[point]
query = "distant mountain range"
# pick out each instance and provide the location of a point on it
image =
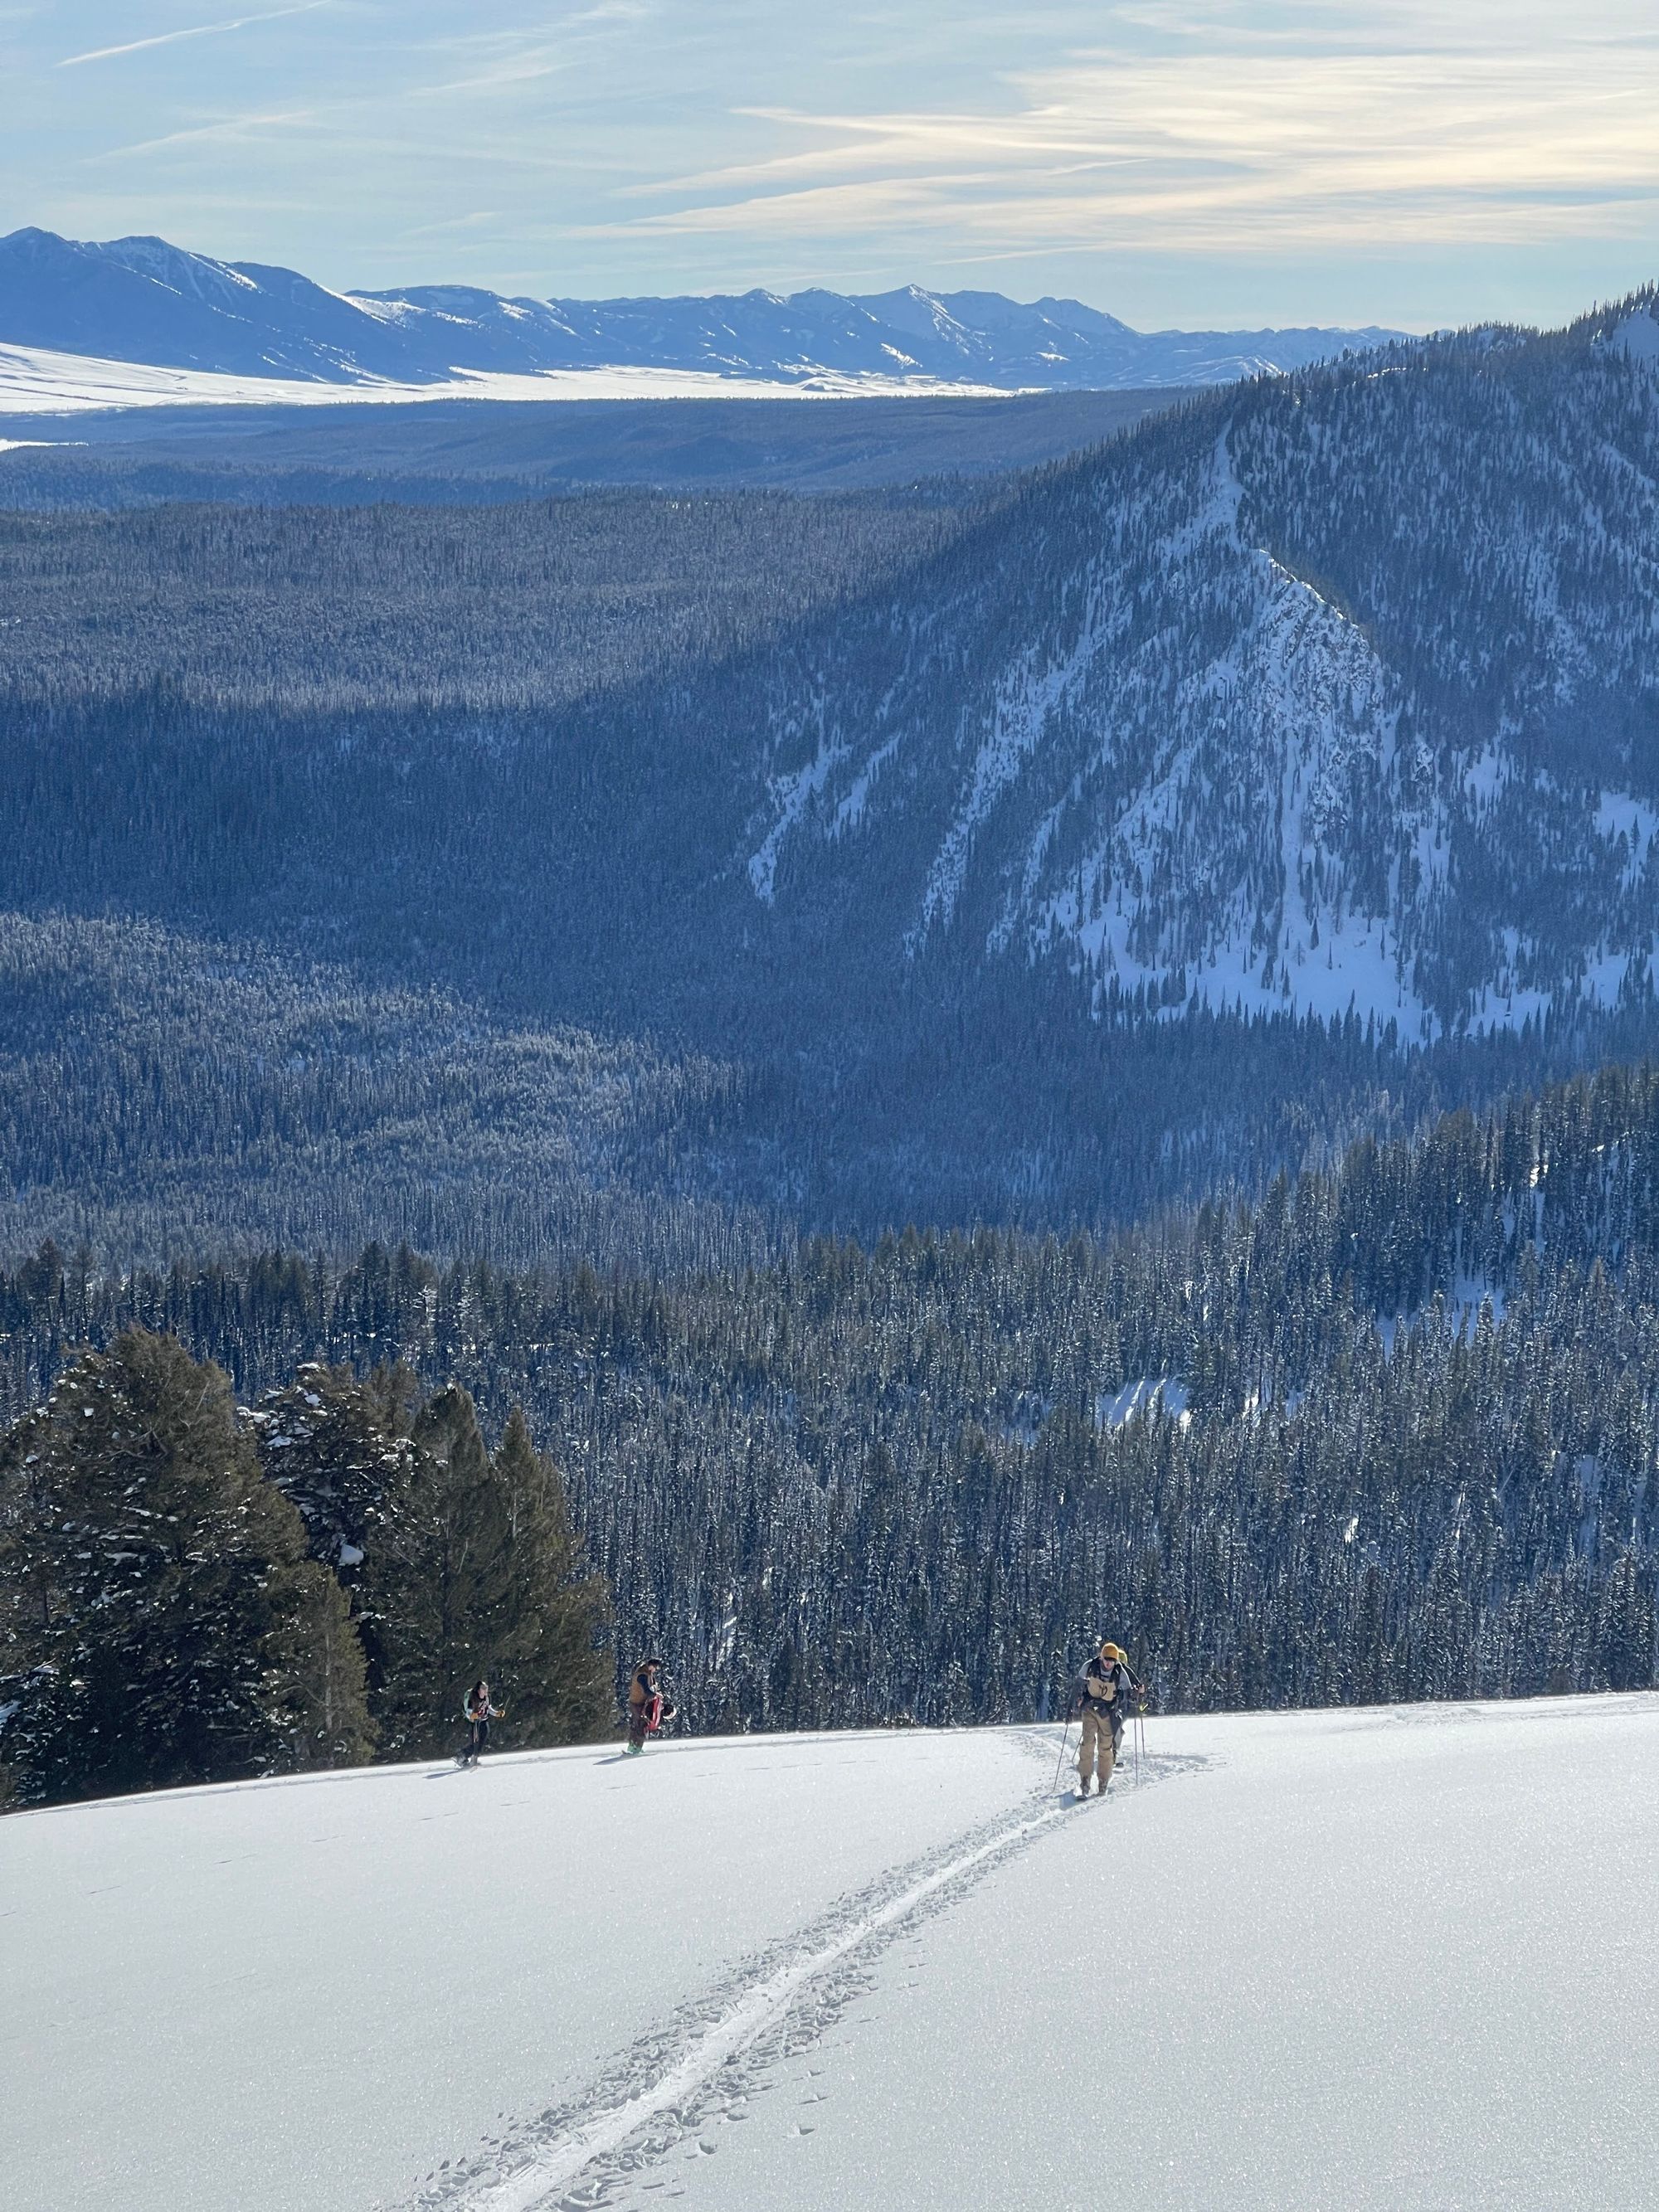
(140, 299)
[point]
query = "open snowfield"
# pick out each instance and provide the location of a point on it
(1400, 1959)
(33, 380)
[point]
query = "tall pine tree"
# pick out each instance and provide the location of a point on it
(560, 1681)
(166, 1624)
(433, 1579)
(473, 1569)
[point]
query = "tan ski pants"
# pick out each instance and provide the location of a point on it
(1097, 1747)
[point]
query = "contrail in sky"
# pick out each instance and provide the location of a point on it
(195, 31)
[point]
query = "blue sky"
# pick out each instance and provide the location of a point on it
(1201, 162)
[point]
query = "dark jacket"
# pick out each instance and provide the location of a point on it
(1105, 1683)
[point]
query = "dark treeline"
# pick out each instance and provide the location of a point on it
(189, 1593)
(160, 1094)
(479, 453)
(165, 1095)
(1388, 1433)
(474, 607)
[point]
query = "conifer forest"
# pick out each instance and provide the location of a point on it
(858, 1089)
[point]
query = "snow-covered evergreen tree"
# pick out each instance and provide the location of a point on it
(330, 1442)
(157, 1592)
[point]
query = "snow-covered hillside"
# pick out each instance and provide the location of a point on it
(1384, 1959)
(1336, 692)
(143, 300)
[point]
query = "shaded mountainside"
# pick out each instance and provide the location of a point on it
(1393, 1433)
(1284, 767)
(392, 615)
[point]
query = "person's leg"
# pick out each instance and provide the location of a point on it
(1087, 1738)
(1109, 1749)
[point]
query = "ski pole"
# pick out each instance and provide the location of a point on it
(1061, 1761)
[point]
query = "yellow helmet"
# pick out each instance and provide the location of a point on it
(1110, 1651)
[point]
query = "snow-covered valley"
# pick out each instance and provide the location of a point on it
(36, 380)
(1392, 1956)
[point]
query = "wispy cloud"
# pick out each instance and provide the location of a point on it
(1237, 143)
(647, 145)
(192, 30)
(522, 69)
(505, 59)
(455, 222)
(230, 130)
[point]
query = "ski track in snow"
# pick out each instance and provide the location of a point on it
(699, 2071)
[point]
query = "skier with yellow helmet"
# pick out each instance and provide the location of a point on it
(1103, 1699)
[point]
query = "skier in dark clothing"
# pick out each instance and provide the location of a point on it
(1103, 1699)
(646, 1710)
(478, 1712)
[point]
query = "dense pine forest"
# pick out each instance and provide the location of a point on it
(1387, 1433)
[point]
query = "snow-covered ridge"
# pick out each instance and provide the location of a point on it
(141, 301)
(1156, 740)
(1311, 935)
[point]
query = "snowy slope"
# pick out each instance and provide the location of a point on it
(1333, 692)
(36, 381)
(324, 1989)
(1386, 1959)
